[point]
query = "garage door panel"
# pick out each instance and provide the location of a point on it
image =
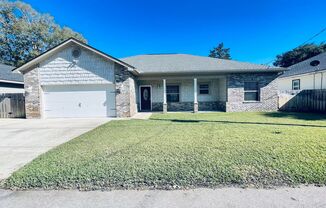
(79, 101)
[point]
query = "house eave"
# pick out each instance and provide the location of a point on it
(9, 81)
(219, 72)
(303, 74)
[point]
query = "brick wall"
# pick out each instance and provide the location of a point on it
(189, 106)
(125, 92)
(268, 92)
(32, 94)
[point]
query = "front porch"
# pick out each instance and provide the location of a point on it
(182, 94)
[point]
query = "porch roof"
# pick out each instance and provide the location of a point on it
(184, 63)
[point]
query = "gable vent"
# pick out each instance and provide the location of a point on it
(76, 53)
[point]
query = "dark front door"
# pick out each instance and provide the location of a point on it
(145, 98)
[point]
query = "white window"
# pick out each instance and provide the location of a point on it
(172, 93)
(251, 91)
(296, 84)
(204, 89)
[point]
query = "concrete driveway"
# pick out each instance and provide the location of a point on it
(22, 140)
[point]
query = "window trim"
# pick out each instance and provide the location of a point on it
(208, 88)
(255, 91)
(299, 84)
(167, 85)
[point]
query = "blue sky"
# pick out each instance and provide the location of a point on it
(256, 31)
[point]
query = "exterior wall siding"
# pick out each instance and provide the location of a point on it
(222, 89)
(6, 87)
(11, 90)
(306, 81)
(268, 92)
(89, 68)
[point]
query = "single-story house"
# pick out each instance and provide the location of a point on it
(306, 75)
(10, 82)
(74, 79)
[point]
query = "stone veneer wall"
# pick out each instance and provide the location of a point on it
(211, 106)
(189, 106)
(32, 94)
(268, 92)
(125, 92)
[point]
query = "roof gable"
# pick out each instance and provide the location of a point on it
(6, 74)
(304, 67)
(53, 50)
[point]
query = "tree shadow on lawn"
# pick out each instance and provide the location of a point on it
(294, 115)
(238, 122)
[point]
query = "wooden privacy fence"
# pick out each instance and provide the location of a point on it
(303, 101)
(12, 105)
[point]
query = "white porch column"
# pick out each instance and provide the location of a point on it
(195, 96)
(165, 107)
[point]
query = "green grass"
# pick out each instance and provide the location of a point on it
(185, 150)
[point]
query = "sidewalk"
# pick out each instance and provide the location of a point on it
(201, 198)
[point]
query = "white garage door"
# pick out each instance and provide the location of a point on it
(79, 101)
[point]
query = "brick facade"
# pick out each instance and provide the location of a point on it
(32, 94)
(268, 92)
(125, 92)
(189, 106)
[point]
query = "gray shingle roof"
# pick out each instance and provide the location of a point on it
(304, 67)
(7, 75)
(183, 63)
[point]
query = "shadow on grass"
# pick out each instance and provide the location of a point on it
(301, 116)
(237, 122)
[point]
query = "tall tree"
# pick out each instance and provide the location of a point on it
(220, 52)
(25, 33)
(299, 54)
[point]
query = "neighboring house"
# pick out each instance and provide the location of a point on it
(75, 80)
(10, 82)
(306, 75)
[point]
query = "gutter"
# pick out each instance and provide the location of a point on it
(305, 73)
(211, 72)
(8, 81)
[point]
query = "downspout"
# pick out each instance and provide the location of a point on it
(315, 64)
(321, 80)
(314, 80)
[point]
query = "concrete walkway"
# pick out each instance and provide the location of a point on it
(142, 115)
(22, 140)
(201, 198)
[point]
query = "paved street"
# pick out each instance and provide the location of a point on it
(226, 197)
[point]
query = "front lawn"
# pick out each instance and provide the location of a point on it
(185, 150)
